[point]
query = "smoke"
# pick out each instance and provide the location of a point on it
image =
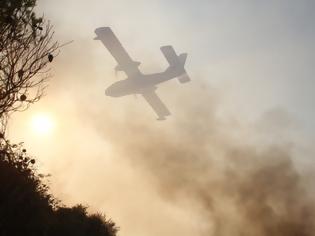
(201, 172)
(212, 168)
(215, 175)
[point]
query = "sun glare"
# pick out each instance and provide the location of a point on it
(42, 124)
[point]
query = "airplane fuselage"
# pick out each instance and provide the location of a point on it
(138, 83)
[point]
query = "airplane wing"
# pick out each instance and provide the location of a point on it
(111, 42)
(157, 105)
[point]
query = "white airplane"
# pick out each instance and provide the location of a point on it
(137, 82)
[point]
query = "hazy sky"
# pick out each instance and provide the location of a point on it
(251, 65)
(260, 54)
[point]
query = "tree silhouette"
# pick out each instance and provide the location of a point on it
(26, 47)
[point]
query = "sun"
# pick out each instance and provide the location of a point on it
(42, 124)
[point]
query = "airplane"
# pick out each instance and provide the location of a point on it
(137, 82)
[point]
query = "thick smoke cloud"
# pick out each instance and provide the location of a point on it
(234, 187)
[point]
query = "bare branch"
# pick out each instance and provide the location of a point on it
(26, 48)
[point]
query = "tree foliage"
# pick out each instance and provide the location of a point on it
(26, 47)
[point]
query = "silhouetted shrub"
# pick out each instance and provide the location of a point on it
(76, 221)
(27, 208)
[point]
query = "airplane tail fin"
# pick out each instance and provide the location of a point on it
(171, 56)
(175, 60)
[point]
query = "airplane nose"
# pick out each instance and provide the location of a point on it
(113, 91)
(107, 92)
